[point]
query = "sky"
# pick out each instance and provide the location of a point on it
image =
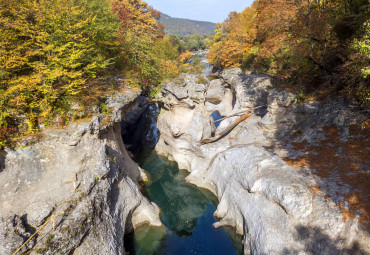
(203, 10)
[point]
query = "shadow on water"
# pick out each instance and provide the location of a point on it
(186, 212)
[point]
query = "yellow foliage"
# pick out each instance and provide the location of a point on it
(186, 56)
(233, 39)
(170, 68)
(48, 49)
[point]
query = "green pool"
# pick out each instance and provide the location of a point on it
(187, 213)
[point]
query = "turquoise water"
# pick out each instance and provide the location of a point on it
(187, 213)
(217, 116)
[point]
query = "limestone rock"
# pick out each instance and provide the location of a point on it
(277, 208)
(215, 91)
(182, 90)
(84, 177)
(250, 90)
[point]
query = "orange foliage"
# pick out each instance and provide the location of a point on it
(233, 39)
(138, 18)
(184, 57)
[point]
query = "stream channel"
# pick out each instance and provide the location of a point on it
(186, 211)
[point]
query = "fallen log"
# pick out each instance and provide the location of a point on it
(227, 129)
(240, 113)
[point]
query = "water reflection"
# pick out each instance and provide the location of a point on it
(181, 203)
(187, 213)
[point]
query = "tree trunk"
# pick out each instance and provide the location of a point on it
(226, 130)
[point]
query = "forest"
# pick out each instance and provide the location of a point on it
(51, 51)
(313, 45)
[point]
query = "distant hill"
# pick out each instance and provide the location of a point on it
(186, 26)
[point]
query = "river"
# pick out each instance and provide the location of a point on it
(186, 211)
(187, 214)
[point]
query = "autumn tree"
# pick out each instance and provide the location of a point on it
(47, 51)
(233, 39)
(142, 35)
(311, 43)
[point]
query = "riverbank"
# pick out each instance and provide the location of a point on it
(278, 204)
(77, 186)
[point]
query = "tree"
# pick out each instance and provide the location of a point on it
(145, 49)
(47, 51)
(311, 43)
(233, 39)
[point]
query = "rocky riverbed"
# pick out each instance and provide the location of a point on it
(292, 179)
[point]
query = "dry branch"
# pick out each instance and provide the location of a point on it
(240, 113)
(226, 130)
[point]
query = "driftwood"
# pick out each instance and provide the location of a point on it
(240, 113)
(226, 130)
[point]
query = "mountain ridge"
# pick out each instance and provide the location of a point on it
(186, 26)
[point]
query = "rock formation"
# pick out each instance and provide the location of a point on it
(292, 178)
(84, 178)
(278, 206)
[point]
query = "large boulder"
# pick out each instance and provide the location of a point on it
(215, 91)
(250, 90)
(185, 90)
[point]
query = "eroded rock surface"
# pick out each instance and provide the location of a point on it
(84, 177)
(278, 206)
